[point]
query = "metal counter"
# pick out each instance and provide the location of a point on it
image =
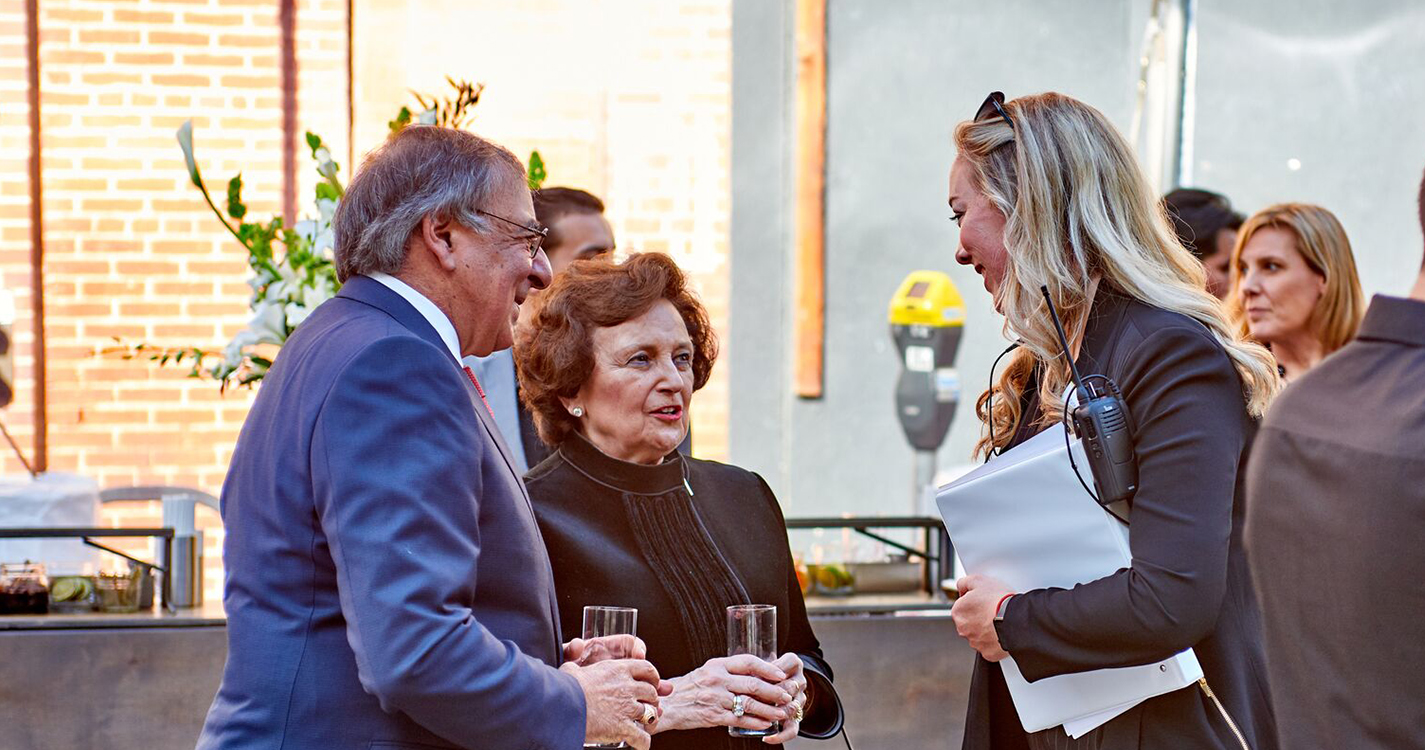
(903, 679)
(145, 680)
(121, 681)
(209, 615)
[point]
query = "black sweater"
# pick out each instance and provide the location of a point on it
(1188, 585)
(628, 535)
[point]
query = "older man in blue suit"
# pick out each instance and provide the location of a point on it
(387, 586)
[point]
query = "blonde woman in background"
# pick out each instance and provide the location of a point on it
(1047, 193)
(1294, 285)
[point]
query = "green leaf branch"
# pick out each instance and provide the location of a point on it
(293, 271)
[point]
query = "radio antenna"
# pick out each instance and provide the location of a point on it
(1064, 340)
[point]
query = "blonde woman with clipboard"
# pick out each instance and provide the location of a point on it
(1048, 194)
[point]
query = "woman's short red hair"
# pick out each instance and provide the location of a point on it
(554, 352)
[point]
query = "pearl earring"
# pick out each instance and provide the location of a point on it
(578, 411)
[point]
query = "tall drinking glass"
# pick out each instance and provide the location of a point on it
(603, 621)
(752, 629)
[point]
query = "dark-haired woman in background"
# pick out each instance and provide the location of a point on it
(1206, 225)
(608, 369)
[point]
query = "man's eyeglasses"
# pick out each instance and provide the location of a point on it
(994, 106)
(533, 237)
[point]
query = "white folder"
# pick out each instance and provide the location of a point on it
(1025, 519)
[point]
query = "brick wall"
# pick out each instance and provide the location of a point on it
(15, 211)
(630, 99)
(321, 90)
(131, 250)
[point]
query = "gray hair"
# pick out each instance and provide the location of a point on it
(419, 171)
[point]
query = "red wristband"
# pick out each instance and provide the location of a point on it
(1000, 603)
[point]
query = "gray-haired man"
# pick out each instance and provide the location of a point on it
(386, 582)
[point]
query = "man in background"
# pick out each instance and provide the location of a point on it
(1207, 226)
(1335, 519)
(577, 231)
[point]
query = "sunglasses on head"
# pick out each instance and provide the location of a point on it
(994, 107)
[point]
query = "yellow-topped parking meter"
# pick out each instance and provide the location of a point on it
(927, 316)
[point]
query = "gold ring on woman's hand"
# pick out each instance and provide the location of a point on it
(739, 705)
(799, 714)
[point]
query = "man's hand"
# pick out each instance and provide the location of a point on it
(974, 614)
(594, 650)
(616, 692)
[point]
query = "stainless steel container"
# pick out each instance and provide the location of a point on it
(186, 579)
(886, 577)
(145, 584)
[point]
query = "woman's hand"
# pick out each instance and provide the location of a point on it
(705, 696)
(796, 686)
(974, 614)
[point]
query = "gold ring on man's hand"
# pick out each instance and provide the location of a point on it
(650, 715)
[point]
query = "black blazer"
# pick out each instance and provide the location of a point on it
(630, 535)
(1188, 585)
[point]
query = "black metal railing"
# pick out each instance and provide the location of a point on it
(85, 533)
(937, 552)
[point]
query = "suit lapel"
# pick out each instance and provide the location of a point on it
(372, 292)
(482, 414)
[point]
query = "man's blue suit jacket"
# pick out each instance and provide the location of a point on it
(387, 586)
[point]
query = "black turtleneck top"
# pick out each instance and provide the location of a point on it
(630, 535)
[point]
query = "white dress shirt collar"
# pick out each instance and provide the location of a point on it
(426, 308)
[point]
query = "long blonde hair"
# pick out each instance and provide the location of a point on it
(1323, 244)
(1078, 208)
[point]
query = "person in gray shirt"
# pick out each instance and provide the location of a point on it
(1335, 519)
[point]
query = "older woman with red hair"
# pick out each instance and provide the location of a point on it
(608, 367)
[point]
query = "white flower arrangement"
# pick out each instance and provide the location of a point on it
(286, 286)
(290, 281)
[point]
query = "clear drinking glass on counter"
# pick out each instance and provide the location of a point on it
(118, 592)
(604, 621)
(752, 629)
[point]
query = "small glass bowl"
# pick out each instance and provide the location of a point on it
(117, 592)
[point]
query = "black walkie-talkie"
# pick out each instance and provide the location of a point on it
(1102, 421)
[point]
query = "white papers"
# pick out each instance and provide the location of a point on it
(1025, 519)
(1033, 527)
(1087, 699)
(1077, 728)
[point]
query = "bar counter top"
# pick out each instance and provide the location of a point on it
(208, 615)
(211, 613)
(918, 602)
(146, 679)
